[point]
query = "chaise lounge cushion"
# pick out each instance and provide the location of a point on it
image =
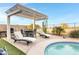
(29, 39)
(20, 36)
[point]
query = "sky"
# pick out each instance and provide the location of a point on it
(57, 13)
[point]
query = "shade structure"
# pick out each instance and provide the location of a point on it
(19, 10)
(26, 12)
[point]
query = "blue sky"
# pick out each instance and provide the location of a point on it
(57, 13)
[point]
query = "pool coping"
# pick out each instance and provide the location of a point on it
(40, 47)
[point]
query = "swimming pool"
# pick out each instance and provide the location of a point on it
(62, 48)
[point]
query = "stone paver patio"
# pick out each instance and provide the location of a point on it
(38, 47)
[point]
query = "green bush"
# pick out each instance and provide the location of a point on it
(57, 30)
(74, 34)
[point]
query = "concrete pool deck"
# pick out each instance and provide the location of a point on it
(38, 47)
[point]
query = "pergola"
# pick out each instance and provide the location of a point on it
(19, 10)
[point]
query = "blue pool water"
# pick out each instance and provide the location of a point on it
(62, 48)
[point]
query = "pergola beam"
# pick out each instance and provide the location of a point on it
(14, 12)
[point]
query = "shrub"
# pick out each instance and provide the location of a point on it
(74, 34)
(57, 30)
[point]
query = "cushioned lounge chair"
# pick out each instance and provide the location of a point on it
(19, 37)
(44, 35)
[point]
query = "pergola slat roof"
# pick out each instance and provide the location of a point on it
(26, 12)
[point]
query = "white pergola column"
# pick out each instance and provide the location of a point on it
(47, 22)
(33, 24)
(8, 28)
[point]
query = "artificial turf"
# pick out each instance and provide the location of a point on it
(10, 48)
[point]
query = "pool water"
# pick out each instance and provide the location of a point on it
(62, 48)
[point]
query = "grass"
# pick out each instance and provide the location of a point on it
(10, 48)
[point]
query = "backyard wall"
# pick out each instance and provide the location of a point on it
(3, 27)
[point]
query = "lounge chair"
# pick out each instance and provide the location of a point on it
(44, 35)
(19, 37)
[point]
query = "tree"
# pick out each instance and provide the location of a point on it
(58, 30)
